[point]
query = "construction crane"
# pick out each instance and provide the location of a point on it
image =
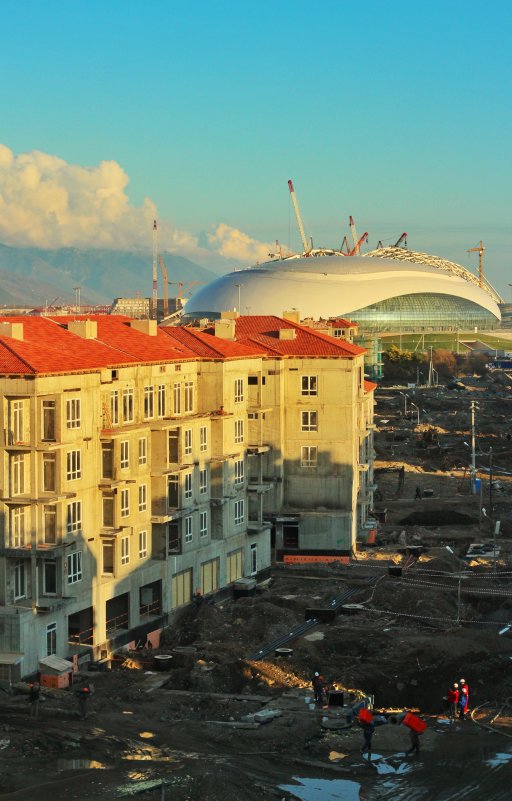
(356, 248)
(345, 247)
(403, 239)
(352, 226)
(299, 219)
(187, 284)
(480, 249)
(166, 286)
(155, 271)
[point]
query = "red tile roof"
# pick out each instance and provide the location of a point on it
(369, 386)
(264, 331)
(208, 346)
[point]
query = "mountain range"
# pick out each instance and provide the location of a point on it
(33, 277)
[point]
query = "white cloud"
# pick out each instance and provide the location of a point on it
(234, 244)
(48, 203)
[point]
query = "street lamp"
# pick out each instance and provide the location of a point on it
(405, 402)
(417, 412)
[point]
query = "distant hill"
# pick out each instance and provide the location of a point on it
(30, 276)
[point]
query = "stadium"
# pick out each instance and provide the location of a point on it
(388, 289)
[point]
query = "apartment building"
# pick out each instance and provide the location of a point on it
(141, 463)
(310, 428)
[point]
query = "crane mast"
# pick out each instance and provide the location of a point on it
(480, 249)
(155, 271)
(166, 286)
(297, 215)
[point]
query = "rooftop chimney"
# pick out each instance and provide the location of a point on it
(287, 333)
(293, 316)
(225, 328)
(229, 315)
(12, 330)
(87, 329)
(148, 327)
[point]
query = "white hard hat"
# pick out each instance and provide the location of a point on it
(455, 685)
(463, 681)
(317, 674)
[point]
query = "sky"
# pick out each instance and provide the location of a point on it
(398, 113)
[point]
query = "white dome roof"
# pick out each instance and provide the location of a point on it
(336, 285)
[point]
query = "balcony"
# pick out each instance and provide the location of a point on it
(258, 527)
(257, 487)
(254, 450)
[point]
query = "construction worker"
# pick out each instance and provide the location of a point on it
(415, 725)
(418, 493)
(463, 701)
(83, 697)
(317, 688)
(453, 699)
(33, 699)
(368, 728)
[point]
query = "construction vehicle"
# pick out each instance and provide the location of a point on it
(480, 249)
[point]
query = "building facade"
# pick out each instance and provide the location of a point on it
(140, 464)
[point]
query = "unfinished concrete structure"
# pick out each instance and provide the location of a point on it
(140, 464)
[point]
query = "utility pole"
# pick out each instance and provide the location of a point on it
(431, 370)
(77, 298)
(473, 447)
(490, 485)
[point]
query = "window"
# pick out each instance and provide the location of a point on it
(239, 512)
(125, 454)
(73, 465)
(309, 421)
(108, 511)
(203, 524)
(210, 575)
(74, 517)
(48, 420)
(49, 525)
(18, 474)
(161, 400)
(143, 497)
(19, 579)
(187, 434)
(173, 492)
(309, 385)
(252, 380)
(74, 567)
(203, 481)
(188, 485)
(49, 472)
(108, 558)
(51, 639)
(125, 550)
(189, 396)
(173, 537)
(16, 421)
(203, 438)
(128, 405)
(308, 456)
(239, 390)
(73, 413)
(254, 559)
(125, 502)
(148, 403)
(239, 471)
(143, 450)
(181, 588)
(176, 394)
(143, 544)
(107, 461)
(18, 527)
(114, 407)
(188, 529)
(239, 431)
(49, 577)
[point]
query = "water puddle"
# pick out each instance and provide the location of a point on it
(80, 764)
(499, 759)
(324, 789)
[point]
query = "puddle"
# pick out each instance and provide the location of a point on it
(146, 735)
(323, 789)
(499, 759)
(80, 764)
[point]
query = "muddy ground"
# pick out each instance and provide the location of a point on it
(409, 637)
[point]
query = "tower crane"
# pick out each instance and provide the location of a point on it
(181, 284)
(480, 249)
(299, 219)
(166, 286)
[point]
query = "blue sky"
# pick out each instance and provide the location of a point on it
(398, 113)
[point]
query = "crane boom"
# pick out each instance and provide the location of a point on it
(358, 244)
(480, 249)
(352, 227)
(297, 215)
(155, 272)
(166, 286)
(403, 239)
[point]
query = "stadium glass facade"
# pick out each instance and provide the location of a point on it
(424, 312)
